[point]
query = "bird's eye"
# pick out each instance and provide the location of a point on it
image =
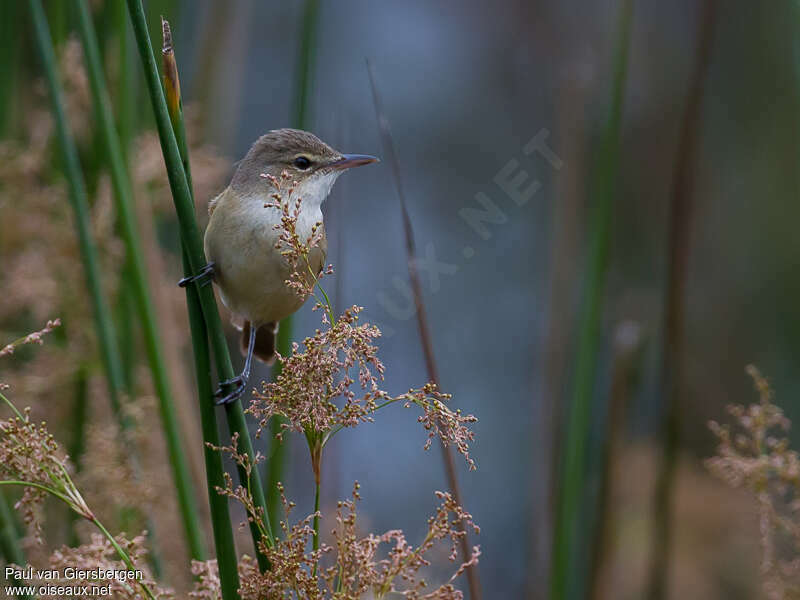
(302, 163)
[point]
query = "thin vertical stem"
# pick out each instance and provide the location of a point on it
(124, 204)
(315, 543)
(626, 358)
(220, 514)
(126, 312)
(9, 542)
(305, 65)
(553, 356)
(680, 220)
(224, 544)
(77, 197)
(422, 321)
(565, 575)
(78, 445)
(10, 42)
(195, 258)
(125, 97)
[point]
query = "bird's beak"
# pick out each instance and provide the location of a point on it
(348, 161)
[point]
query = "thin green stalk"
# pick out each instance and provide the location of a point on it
(315, 541)
(125, 96)
(124, 204)
(220, 515)
(126, 317)
(10, 43)
(57, 15)
(193, 247)
(9, 542)
(123, 107)
(316, 443)
(112, 363)
(125, 99)
(305, 65)
(77, 198)
(300, 120)
(224, 544)
(78, 430)
(316, 517)
(568, 579)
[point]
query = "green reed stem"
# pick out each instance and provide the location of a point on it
(315, 542)
(305, 65)
(195, 257)
(124, 203)
(77, 198)
(10, 44)
(224, 544)
(9, 542)
(124, 104)
(78, 429)
(300, 120)
(220, 515)
(566, 577)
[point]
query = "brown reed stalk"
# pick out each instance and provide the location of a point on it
(422, 318)
(680, 221)
(627, 352)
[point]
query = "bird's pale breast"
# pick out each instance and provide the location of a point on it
(249, 270)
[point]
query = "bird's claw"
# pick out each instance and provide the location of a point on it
(204, 277)
(221, 397)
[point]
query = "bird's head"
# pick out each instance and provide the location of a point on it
(309, 161)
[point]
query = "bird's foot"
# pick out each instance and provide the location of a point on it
(221, 397)
(204, 277)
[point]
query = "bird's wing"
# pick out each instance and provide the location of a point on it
(212, 204)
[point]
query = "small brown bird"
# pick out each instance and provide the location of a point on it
(241, 236)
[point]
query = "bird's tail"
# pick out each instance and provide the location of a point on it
(264, 349)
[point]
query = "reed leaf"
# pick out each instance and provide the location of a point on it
(567, 579)
(195, 258)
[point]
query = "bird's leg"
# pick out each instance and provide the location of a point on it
(205, 275)
(240, 381)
